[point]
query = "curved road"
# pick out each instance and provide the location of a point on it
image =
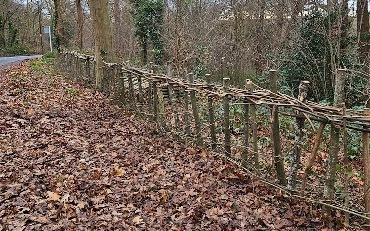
(8, 60)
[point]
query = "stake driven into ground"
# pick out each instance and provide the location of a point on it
(70, 159)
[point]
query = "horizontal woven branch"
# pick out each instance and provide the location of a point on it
(257, 96)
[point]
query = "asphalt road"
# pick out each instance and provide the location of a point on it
(8, 60)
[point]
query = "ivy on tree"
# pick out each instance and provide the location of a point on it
(148, 19)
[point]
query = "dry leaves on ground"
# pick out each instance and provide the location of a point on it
(71, 160)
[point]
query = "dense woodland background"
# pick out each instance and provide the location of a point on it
(240, 39)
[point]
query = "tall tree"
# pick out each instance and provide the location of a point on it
(363, 37)
(103, 36)
(118, 41)
(80, 19)
(344, 25)
(363, 29)
(148, 17)
(260, 40)
(58, 25)
(39, 12)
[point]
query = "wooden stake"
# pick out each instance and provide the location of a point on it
(131, 89)
(275, 134)
(152, 96)
(211, 115)
(151, 100)
(339, 94)
(253, 120)
(94, 71)
(140, 82)
(105, 80)
(80, 69)
(115, 76)
(161, 108)
(345, 167)
(313, 155)
(155, 102)
(226, 104)
(186, 111)
(195, 111)
(171, 97)
(88, 70)
(122, 91)
(366, 163)
(296, 157)
(246, 127)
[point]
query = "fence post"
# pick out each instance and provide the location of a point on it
(140, 82)
(71, 63)
(105, 84)
(109, 78)
(366, 161)
(253, 121)
(275, 133)
(194, 107)
(115, 81)
(75, 66)
(78, 73)
(94, 71)
(345, 165)
(246, 127)
(161, 108)
(151, 94)
(80, 68)
(211, 114)
(226, 105)
(296, 157)
(131, 89)
(88, 73)
(155, 102)
(329, 188)
(171, 97)
(186, 110)
(122, 89)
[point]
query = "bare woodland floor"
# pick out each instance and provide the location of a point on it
(70, 160)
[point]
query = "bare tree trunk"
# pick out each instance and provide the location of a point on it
(118, 40)
(260, 39)
(58, 27)
(2, 32)
(344, 25)
(40, 26)
(80, 22)
(363, 29)
(103, 37)
(178, 35)
(363, 37)
(28, 22)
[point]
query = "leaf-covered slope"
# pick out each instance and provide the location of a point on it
(71, 160)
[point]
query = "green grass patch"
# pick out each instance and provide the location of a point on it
(42, 65)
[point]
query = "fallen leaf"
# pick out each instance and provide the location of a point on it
(42, 220)
(30, 111)
(137, 220)
(53, 196)
(282, 223)
(118, 172)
